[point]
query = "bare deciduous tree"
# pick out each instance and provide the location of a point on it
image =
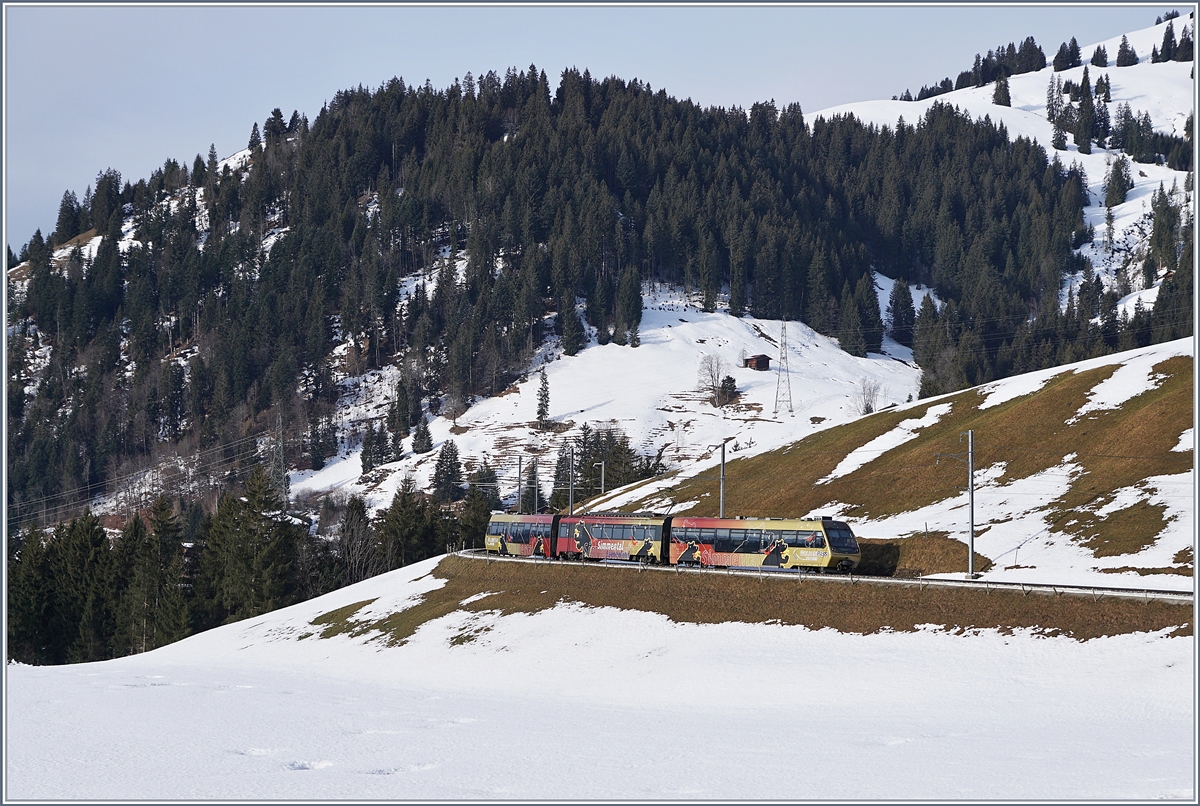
(712, 370)
(869, 391)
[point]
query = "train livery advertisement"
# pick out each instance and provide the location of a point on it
(810, 544)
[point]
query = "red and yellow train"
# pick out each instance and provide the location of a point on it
(815, 545)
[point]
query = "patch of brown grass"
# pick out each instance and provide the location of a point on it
(716, 597)
(1125, 531)
(916, 556)
(782, 483)
(1187, 572)
(1120, 448)
(339, 622)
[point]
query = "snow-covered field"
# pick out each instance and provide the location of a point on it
(578, 703)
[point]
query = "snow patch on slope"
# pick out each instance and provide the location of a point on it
(905, 431)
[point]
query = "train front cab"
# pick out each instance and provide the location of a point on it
(520, 535)
(844, 550)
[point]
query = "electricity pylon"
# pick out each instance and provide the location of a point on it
(783, 381)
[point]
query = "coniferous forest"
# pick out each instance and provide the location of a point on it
(562, 201)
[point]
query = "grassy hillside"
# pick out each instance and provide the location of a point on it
(1116, 449)
(716, 597)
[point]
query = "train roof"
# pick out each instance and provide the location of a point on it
(683, 521)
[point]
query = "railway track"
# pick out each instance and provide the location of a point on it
(986, 586)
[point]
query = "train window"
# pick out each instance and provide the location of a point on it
(752, 543)
(708, 535)
(841, 539)
(724, 541)
(813, 540)
(789, 537)
(493, 528)
(639, 533)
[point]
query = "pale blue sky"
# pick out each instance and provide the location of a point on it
(88, 88)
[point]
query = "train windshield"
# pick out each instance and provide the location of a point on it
(841, 539)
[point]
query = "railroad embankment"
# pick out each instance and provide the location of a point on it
(715, 597)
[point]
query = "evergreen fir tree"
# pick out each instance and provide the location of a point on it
(925, 330)
(728, 390)
(901, 314)
(29, 599)
(476, 515)
(573, 337)
(1085, 120)
(1167, 52)
(422, 440)
(1054, 103)
(560, 495)
(368, 448)
(447, 473)
(486, 483)
(1126, 55)
(68, 218)
(1074, 53)
(817, 312)
(850, 330)
(532, 500)
(1000, 95)
(1120, 180)
(629, 301)
(870, 319)
(172, 621)
(1058, 138)
(1099, 57)
(1062, 59)
(1184, 52)
(543, 400)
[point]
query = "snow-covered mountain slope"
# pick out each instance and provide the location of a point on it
(650, 392)
(1018, 522)
(600, 703)
(1166, 91)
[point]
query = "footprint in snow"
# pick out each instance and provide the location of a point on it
(307, 765)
